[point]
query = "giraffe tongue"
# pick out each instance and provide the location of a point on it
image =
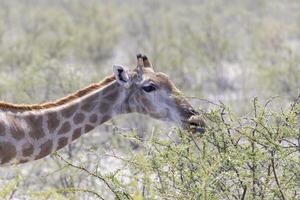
(200, 130)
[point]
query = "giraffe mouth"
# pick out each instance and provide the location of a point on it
(195, 124)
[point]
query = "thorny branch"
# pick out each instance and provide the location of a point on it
(275, 174)
(79, 190)
(92, 174)
(253, 166)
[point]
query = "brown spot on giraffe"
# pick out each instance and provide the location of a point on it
(35, 124)
(45, 149)
(89, 106)
(112, 96)
(90, 102)
(15, 128)
(68, 112)
(103, 107)
(62, 142)
(93, 118)
(53, 122)
(7, 152)
(105, 118)
(27, 149)
(2, 128)
(88, 128)
(23, 161)
(78, 118)
(76, 133)
(66, 127)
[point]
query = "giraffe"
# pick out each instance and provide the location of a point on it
(31, 132)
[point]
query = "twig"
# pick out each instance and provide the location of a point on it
(270, 100)
(253, 166)
(91, 174)
(244, 192)
(79, 190)
(299, 141)
(196, 145)
(13, 193)
(228, 129)
(159, 176)
(201, 99)
(297, 101)
(274, 173)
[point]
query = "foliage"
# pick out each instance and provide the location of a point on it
(229, 51)
(250, 157)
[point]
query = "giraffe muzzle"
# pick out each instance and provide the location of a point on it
(196, 124)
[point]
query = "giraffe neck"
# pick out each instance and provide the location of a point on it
(31, 135)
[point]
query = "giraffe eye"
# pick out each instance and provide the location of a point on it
(149, 88)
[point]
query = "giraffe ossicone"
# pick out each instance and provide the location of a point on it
(31, 132)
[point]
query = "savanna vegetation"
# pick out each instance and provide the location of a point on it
(237, 61)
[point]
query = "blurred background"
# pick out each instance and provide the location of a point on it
(229, 51)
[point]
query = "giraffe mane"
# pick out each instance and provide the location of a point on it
(62, 101)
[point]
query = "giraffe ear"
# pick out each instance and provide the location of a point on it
(121, 75)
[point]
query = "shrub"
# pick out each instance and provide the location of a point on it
(250, 157)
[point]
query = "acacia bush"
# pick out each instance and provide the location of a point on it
(238, 157)
(249, 157)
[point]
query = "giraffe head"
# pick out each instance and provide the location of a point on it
(153, 93)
